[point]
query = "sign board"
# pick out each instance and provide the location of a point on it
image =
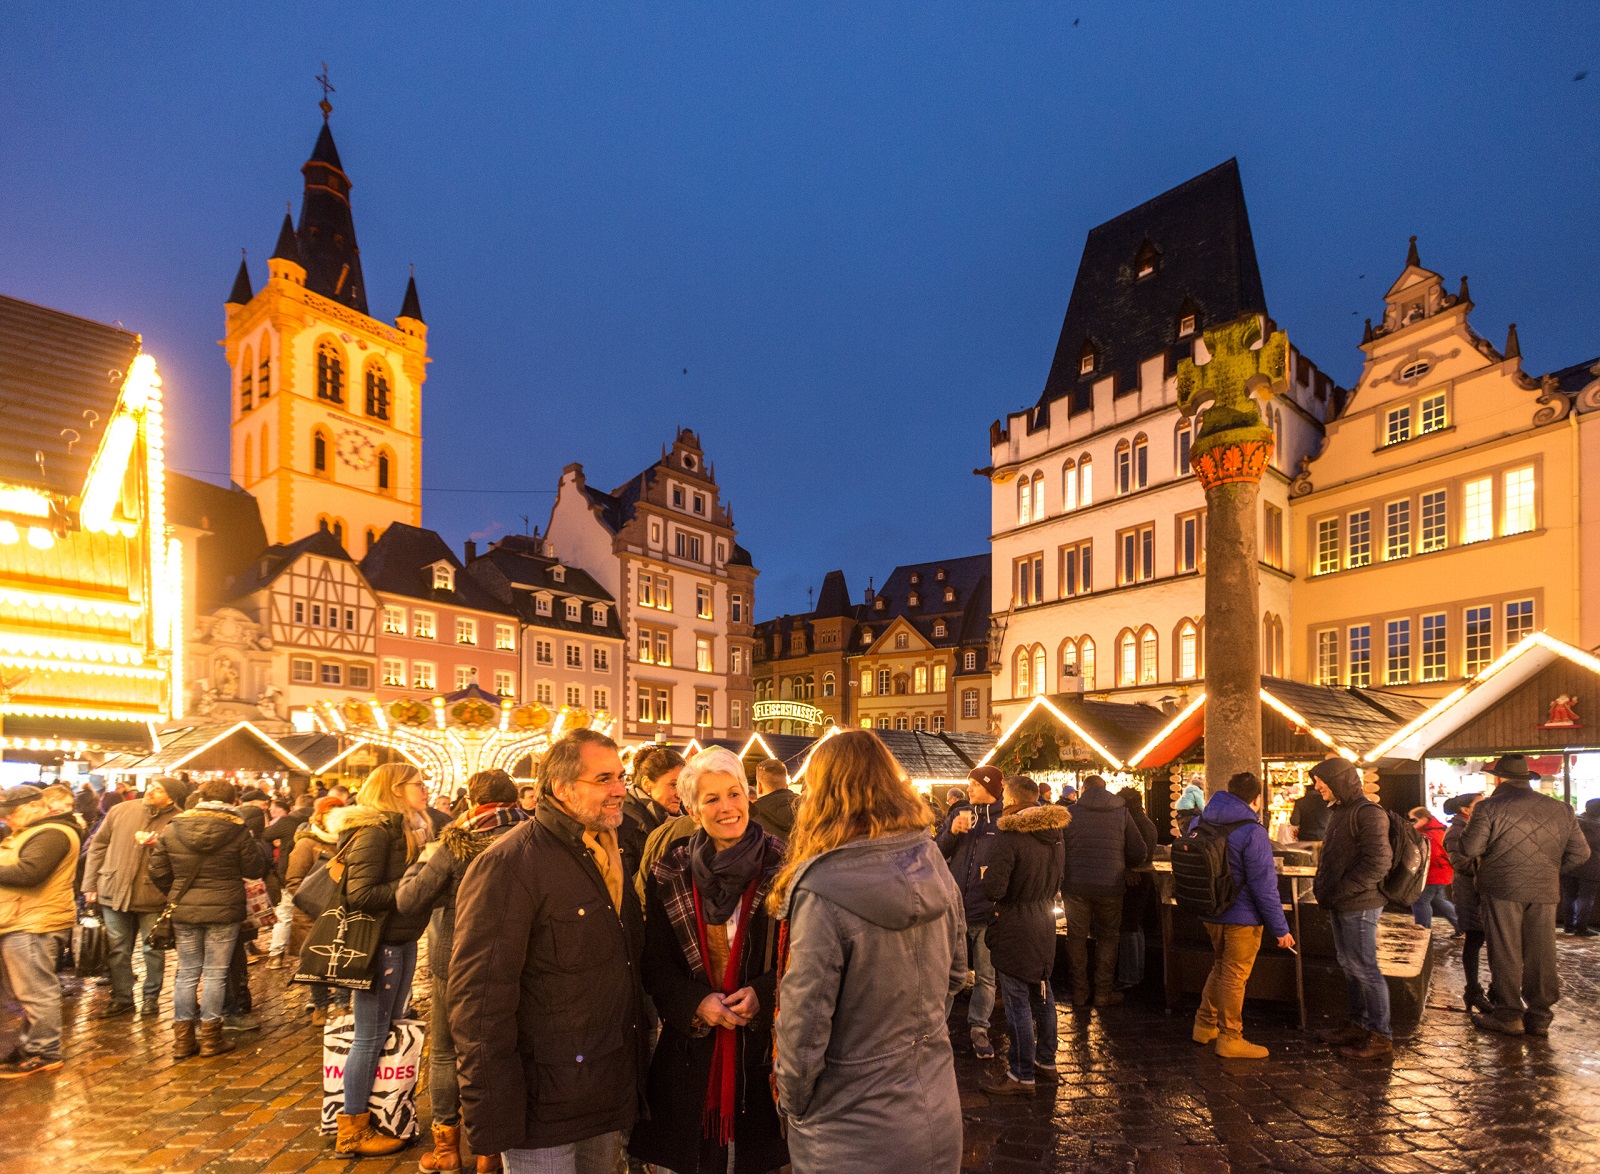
(795, 711)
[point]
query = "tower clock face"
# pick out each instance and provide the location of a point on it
(356, 450)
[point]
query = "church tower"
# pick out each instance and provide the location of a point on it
(327, 400)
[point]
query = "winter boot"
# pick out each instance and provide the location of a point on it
(1233, 1046)
(1374, 1047)
(211, 1041)
(358, 1139)
(1476, 1000)
(489, 1164)
(446, 1151)
(1348, 1034)
(183, 1045)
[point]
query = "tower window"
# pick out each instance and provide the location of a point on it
(377, 394)
(330, 373)
(1086, 358)
(247, 383)
(319, 452)
(264, 379)
(383, 472)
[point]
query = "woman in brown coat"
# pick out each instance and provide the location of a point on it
(314, 844)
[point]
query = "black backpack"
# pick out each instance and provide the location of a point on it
(1408, 864)
(1202, 882)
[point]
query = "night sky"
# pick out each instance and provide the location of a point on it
(856, 226)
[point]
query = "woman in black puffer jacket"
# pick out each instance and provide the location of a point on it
(379, 838)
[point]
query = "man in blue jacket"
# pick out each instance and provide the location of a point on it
(1236, 935)
(967, 839)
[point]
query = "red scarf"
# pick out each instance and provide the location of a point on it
(716, 1119)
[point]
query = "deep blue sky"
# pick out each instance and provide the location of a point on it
(856, 225)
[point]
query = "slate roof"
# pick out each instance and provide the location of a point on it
(1355, 718)
(326, 234)
(512, 571)
(274, 560)
(1201, 231)
(242, 292)
(1121, 727)
(401, 563)
(233, 535)
(317, 751)
(935, 756)
(966, 617)
(411, 307)
(60, 376)
(1571, 380)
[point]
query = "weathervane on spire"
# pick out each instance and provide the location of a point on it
(327, 88)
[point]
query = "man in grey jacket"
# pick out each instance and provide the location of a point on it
(1102, 842)
(1517, 844)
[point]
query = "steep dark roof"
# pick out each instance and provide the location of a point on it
(287, 248)
(935, 756)
(274, 560)
(233, 536)
(1571, 380)
(412, 307)
(966, 617)
(60, 376)
(327, 231)
(1352, 717)
(1204, 255)
(834, 598)
(242, 292)
(513, 574)
(401, 563)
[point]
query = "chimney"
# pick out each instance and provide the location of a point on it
(470, 548)
(871, 594)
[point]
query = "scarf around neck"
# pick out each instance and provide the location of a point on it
(721, 878)
(486, 817)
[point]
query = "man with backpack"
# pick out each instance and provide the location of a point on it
(1230, 851)
(1517, 844)
(1355, 860)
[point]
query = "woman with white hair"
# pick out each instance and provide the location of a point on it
(710, 960)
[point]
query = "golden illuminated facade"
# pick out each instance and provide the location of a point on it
(89, 581)
(327, 400)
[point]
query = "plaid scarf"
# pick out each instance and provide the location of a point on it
(486, 817)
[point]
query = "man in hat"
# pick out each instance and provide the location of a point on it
(38, 861)
(1517, 844)
(967, 839)
(117, 876)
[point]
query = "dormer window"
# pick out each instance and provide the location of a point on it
(1146, 261)
(574, 611)
(939, 630)
(939, 574)
(597, 615)
(866, 637)
(915, 600)
(949, 594)
(541, 605)
(558, 573)
(444, 577)
(1087, 358)
(1186, 326)
(877, 604)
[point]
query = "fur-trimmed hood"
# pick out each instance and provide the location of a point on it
(344, 819)
(1044, 822)
(466, 845)
(207, 828)
(310, 831)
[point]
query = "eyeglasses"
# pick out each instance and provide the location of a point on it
(604, 780)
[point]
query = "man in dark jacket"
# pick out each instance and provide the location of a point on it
(966, 838)
(1517, 845)
(1022, 880)
(1236, 934)
(548, 1008)
(1100, 844)
(1355, 859)
(1309, 819)
(776, 805)
(117, 877)
(1586, 876)
(490, 812)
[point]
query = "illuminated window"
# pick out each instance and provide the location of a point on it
(1186, 326)
(664, 648)
(1127, 659)
(1477, 523)
(1397, 426)
(1086, 662)
(465, 675)
(394, 620)
(938, 678)
(422, 675)
(663, 593)
(919, 683)
(647, 591)
(1359, 552)
(544, 651)
(702, 601)
(1069, 487)
(1519, 622)
(1188, 651)
(1361, 655)
(1327, 546)
(505, 684)
(646, 705)
(1435, 656)
(1024, 501)
(443, 577)
(1397, 530)
(600, 659)
(1085, 482)
(422, 625)
(866, 683)
(969, 703)
(1397, 664)
(1519, 501)
(1147, 658)
(466, 630)
(939, 630)
(1434, 528)
(505, 637)
(1328, 657)
(377, 392)
(1022, 673)
(1433, 413)
(702, 654)
(394, 672)
(330, 373)
(1086, 358)
(969, 661)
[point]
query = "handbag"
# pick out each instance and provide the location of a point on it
(321, 885)
(162, 935)
(342, 948)
(91, 949)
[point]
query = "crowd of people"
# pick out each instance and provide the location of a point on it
(706, 975)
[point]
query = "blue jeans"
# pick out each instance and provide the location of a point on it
(1031, 1014)
(1355, 944)
(592, 1155)
(375, 1010)
(28, 975)
(980, 1007)
(1434, 897)
(122, 929)
(202, 949)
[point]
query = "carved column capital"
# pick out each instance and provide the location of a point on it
(1232, 460)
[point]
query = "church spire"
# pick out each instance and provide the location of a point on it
(287, 248)
(1411, 254)
(412, 307)
(242, 292)
(327, 231)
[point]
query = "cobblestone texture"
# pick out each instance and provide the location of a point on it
(1135, 1095)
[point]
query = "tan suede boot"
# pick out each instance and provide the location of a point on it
(1233, 1046)
(357, 1139)
(212, 1042)
(183, 1045)
(446, 1152)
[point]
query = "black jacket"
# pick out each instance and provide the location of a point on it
(1589, 870)
(1355, 855)
(641, 815)
(1022, 879)
(776, 813)
(1310, 816)
(430, 885)
(968, 855)
(209, 847)
(1462, 892)
(680, 1070)
(1519, 842)
(547, 1011)
(374, 846)
(279, 834)
(1100, 844)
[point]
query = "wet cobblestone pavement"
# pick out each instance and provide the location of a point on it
(1135, 1095)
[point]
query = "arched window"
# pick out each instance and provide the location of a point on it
(1147, 657)
(1085, 481)
(1182, 441)
(264, 372)
(1041, 671)
(1272, 645)
(1024, 500)
(1187, 652)
(385, 471)
(827, 684)
(319, 452)
(1069, 487)
(1127, 658)
(1038, 495)
(338, 530)
(330, 372)
(1086, 662)
(378, 394)
(247, 385)
(1067, 656)
(1124, 475)
(249, 462)
(266, 460)
(1022, 673)
(1141, 461)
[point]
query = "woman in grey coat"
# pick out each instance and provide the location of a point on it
(877, 941)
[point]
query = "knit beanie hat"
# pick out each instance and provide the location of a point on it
(177, 790)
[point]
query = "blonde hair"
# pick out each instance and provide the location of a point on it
(714, 760)
(380, 792)
(854, 791)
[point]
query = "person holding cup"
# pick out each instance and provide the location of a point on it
(967, 839)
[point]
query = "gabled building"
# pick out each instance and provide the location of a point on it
(571, 634)
(802, 679)
(90, 588)
(919, 656)
(1446, 517)
(664, 546)
(440, 630)
(1097, 522)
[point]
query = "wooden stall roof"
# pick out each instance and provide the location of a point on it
(943, 756)
(320, 752)
(240, 746)
(1112, 731)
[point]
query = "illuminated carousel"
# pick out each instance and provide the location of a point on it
(454, 736)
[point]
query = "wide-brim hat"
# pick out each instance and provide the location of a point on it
(1512, 766)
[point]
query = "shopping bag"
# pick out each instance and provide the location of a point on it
(258, 905)
(317, 891)
(91, 949)
(394, 1087)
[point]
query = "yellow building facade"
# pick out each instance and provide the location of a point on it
(1439, 524)
(327, 400)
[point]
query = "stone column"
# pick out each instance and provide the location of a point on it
(1232, 445)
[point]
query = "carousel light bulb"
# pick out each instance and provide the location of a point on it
(8, 534)
(40, 539)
